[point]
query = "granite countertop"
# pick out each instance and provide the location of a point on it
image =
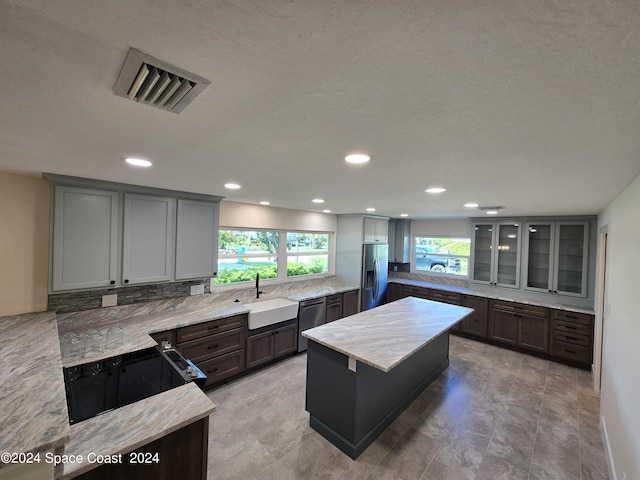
(493, 296)
(139, 423)
(33, 402)
(385, 336)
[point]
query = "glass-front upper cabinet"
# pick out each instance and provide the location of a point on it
(556, 254)
(496, 254)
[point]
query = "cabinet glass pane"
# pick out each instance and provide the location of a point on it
(482, 253)
(539, 259)
(571, 245)
(508, 254)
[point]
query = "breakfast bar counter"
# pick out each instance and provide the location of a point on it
(364, 370)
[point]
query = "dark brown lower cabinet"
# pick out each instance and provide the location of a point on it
(503, 327)
(270, 343)
(533, 333)
(476, 323)
(334, 307)
(349, 303)
(181, 454)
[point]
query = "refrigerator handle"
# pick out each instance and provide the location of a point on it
(375, 279)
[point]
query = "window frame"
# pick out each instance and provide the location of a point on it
(414, 264)
(281, 256)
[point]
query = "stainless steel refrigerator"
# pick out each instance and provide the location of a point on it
(374, 275)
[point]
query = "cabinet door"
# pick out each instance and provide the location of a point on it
(539, 244)
(349, 303)
(476, 323)
(196, 239)
(507, 255)
(533, 333)
(334, 311)
(259, 348)
(376, 230)
(571, 259)
(503, 327)
(483, 239)
(148, 239)
(285, 340)
(85, 238)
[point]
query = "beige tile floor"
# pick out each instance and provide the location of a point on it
(493, 414)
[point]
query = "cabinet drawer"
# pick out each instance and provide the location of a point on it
(337, 298)
(572, 338)
(571, 352)
(520, 308)
(212, 345)
(419, 292)
(571, 328)
(222, 367)
(444, 296)
(192, 332)
(581, 318)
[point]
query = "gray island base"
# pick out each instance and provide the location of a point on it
(364, 370)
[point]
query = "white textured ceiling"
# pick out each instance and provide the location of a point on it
(529, 104)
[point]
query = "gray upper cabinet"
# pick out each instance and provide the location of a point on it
(107, 234)
(147, 251)
(197, 239)
(496, 253)
(85, 238)
(556, 254)
(376, 230)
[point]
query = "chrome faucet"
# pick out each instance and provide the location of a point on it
(258, 291)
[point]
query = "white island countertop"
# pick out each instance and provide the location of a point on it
(385, 336)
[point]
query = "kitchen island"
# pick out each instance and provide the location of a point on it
(364, 370)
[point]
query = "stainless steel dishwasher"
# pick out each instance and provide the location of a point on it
(311, 314)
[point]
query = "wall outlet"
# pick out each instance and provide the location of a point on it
(197, 289)
(110, 300)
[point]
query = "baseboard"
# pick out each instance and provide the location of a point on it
(607, 449)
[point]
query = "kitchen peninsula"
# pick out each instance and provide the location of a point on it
(364, 370)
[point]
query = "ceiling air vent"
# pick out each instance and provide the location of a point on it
(147, 80)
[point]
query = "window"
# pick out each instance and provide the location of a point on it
(244, 253)
(442, 255)
(307, 253)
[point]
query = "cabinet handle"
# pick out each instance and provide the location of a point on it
(214, 327)
(570, 351)
(126, 281)
(211, 347)
(571, 316)
(570, 327)
(212, 370)
(570, 338)
(112, 282)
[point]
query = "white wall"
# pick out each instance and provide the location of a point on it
(243, 215)
(620, 397)
(435, 228)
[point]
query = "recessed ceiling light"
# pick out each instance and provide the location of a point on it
(471, 205)
(317, 200)
(265, 203)
(492, 212)
(404, 214)
(138, 162)
(371, 209)
(326, 211)
(232, 186)
(357, 158)
(436, 190)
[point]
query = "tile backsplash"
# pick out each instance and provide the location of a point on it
(90, 299)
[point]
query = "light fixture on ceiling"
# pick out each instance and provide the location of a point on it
(326, 211)
(436, 190)
(471, 205)
(404, 214)
(265, 203)
(371, 209)
(138, 162)
(317, 200)
(232, 186)
(491, 210)
(357, 158)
